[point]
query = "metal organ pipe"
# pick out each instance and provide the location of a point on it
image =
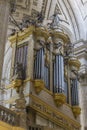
(58, 74)
(60, 71)
(74, 92)
(39, 64)
(54, 77)
(42, 63)
(62, 74)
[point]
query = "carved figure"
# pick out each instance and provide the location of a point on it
(58, 48)
(19, 71)
(55, 20)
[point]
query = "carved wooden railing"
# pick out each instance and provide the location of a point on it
(35, 127)
(9, 116)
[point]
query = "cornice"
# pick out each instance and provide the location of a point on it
(21, 35)
(38, 32)
(61, 35)
(80, 49)
(83, 69)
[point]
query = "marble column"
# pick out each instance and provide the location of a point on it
(4, 15)
(83, 100)
(82, 56)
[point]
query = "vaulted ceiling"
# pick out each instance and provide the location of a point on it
(72, 12)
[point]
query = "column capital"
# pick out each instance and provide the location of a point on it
(83, 78)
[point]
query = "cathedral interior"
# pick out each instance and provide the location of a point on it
(43, 61)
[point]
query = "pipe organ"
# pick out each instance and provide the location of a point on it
(42, 64)
(54, 69)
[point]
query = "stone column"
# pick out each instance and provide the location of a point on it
(83, 100)
(4, 15)
(80, 51)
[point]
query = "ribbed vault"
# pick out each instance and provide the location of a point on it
(73, 20)
(72, 12)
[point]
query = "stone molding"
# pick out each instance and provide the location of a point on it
(47, 111)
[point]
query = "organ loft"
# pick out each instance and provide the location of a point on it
(43, 64)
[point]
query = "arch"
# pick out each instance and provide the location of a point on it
(68, 32)
(78, 19)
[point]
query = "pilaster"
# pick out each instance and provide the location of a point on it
(83, 99)
(80, 51)
(4, 15)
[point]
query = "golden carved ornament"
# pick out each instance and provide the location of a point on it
(65, 73)
(76, 111)
(17, 84)
(60, 35)
(21, 35)
(41, 32)
(59, 99)
(38, 85)
(74, 62)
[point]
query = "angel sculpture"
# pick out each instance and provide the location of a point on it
(55, 21)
